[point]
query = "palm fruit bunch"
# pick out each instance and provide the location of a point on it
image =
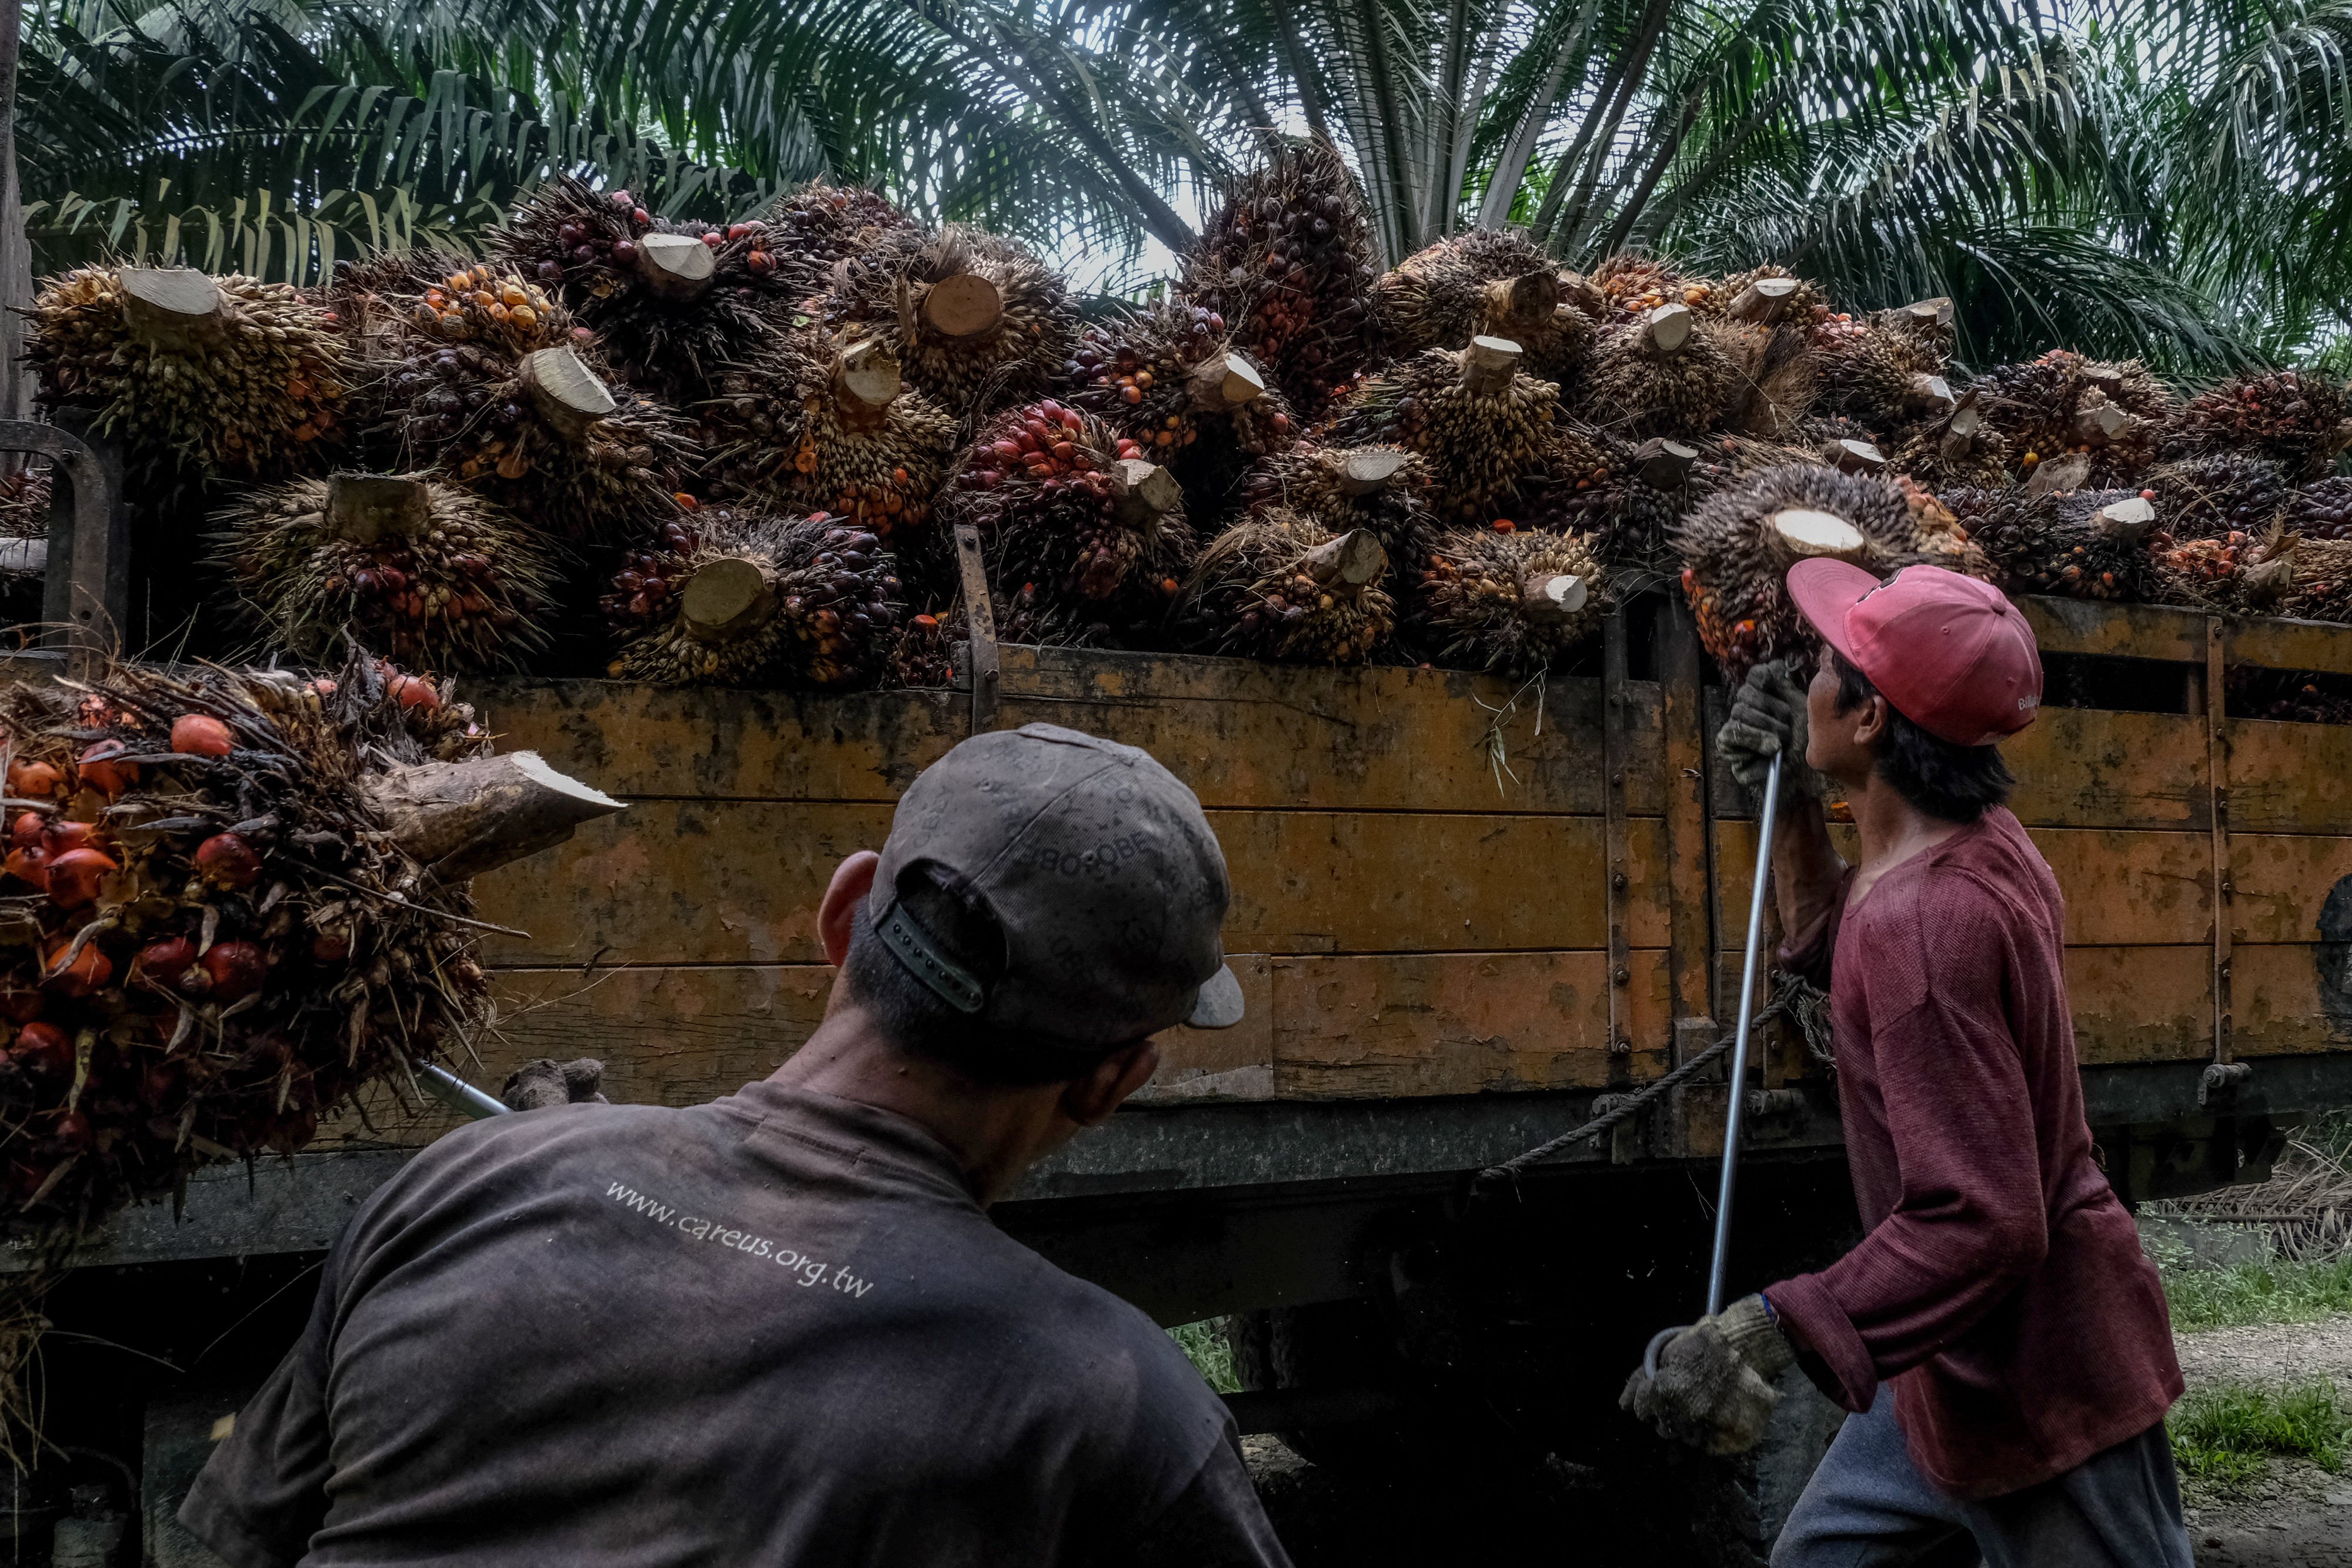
(666, 301)
(1666, 373)
(815, 228)
(1277, 585)
(23, 541)
(2085, 544)
(1486, 283)
(1381, 489)
(1886, 373)
(1289, 261)
(2297, 419)
(1631, 503)
(1962, 449)
(729, 598)
(1738, 544)
(493, 306)
(1776, 376)
(1765, 296)
(2215, 494)
(1076, 513)
(243, 376)
(806, 425)
(975, 320)
(431, 574)
(924, 654)
(1482, 426)
(2322, 509)
(2307, 579)
(536, 430)
(2204, 573)
(1937, 535)
(2064, 402)
(1515, 604)
(1166, 376)
(235, 900)
(370, 299)
(1628, 288)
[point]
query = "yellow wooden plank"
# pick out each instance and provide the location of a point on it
(2282, 882)
(2141, 1004)
(1459, 1023)
(2281, 644)
(2291, 998)
(2090, 768)
(2290, 777)
(2124, 631)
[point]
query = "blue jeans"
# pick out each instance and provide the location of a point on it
(1868, 1507)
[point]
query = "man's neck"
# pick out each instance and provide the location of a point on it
(1891, 830)
(993, 1133)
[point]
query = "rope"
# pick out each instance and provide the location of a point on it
(1627, 1107)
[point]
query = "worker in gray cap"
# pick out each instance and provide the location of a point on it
(780, 1327)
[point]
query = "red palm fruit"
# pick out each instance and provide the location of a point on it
(90, 971)
(34, 780)
(412, 691)
(330, 949)
(60, 838)
(19, 1003)
(166, 961)
(30, 866)
(101, 771)
(76, 876)
(236, 969)
(26, 831)
(226, 860)
(201, 735)
(44, 1048)
(73, 1132)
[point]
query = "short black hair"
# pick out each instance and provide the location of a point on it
(1956, 783)
(918, 1020)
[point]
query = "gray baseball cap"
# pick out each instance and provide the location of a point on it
(1097, 863)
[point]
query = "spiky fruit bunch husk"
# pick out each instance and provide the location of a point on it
(1735, 563)
(583, 244)
(2298, 419)
(1637, 391)
(25, 502)
(1256, 592)
(262, 400)
(371, 299)
(2218, 493)
(201, 1000)
(463, 409)
(924, 654)
(1809, 305)
(23, 515)
(1982, 462)
(466, 593)
(1874, 371)
(882, 293)
(1632, 285)
(1480, 445)
(1309, 480)
(1777, 378)
(2321, 584)
(1136, 374)
(831, 597)
(1602, 489)
(1473, 610)
(2322, 509)
(1938, 535)
(1044, 488)
(493, 306)
(1446, 294)
(818, 226)
(2036, 405)
(780, 432)
(1289, 261)
(2203, 573)
(2053, 544)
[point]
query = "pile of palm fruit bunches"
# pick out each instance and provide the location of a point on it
(673, 451)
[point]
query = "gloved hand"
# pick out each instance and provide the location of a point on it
(547, 1081)
(1714, 1387)
(1768, 718)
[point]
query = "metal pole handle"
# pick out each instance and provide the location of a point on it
(1738, 1098)
(459, 1095)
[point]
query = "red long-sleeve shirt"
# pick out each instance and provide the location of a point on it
(2001, 1289)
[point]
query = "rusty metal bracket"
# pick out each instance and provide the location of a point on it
(88, 563)
(1616, 747)
(980, 619)
(2217, 768)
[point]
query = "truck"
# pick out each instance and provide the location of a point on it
(1468, 915)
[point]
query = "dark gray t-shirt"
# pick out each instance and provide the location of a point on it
(775, 1329)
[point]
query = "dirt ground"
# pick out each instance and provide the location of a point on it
(2298, 1516)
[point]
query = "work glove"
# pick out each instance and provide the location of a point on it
(547, 1081)
(1768, 719)
(1714, 1383)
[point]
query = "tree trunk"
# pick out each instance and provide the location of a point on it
(462, 819)
(15, 245)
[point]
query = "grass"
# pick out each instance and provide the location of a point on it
(2225, 1437)
(1204, 1341)
(2278, 1292)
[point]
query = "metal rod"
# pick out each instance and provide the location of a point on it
(1739, 1097)
(459, 1095)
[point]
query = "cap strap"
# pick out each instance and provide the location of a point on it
(916, 948)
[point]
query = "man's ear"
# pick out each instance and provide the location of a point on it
(853, 879)
(1090, 1100)
(1872, 722)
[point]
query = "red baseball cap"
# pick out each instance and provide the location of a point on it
(1949, 652)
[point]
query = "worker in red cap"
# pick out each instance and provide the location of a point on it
(2000, 1294)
